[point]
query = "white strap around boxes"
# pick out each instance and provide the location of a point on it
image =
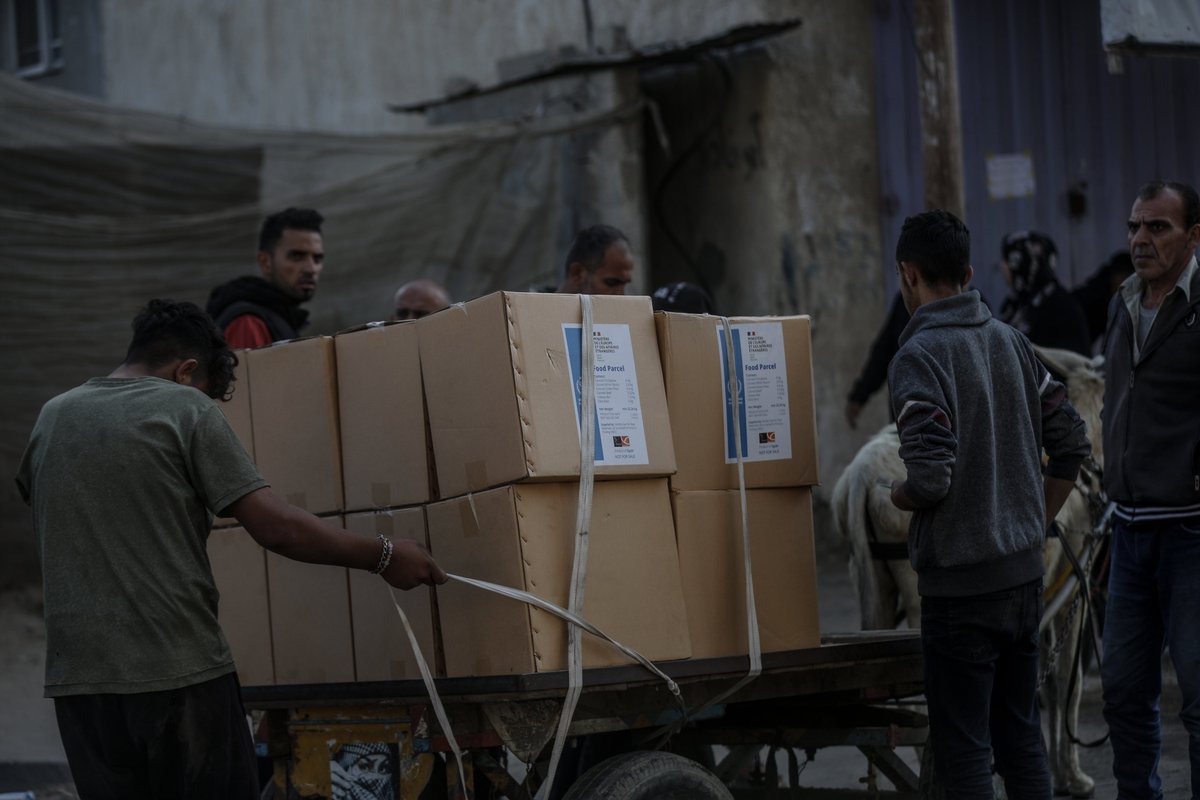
(754, 643)
(583, 519)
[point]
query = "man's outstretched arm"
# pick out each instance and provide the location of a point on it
(294, 533)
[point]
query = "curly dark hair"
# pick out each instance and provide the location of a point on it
(165, 330)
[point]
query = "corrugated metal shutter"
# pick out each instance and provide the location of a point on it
(1034, 77)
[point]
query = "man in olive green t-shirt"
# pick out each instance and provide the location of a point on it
(124, 474)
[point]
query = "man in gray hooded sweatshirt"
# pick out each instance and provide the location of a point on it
(975, 409)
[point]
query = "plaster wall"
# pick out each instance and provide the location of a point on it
(314, 65)
(775, 204)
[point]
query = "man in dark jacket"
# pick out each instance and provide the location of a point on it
(1152, 472)
(975, 408)
(253, 311)
(874, 372)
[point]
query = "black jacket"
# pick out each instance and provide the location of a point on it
(1152, 406)
(886, 343)
(252, 295)
(1051, 318)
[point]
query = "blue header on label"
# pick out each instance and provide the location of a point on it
(730, 431)
(574, 337)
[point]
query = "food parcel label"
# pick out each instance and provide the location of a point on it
(620, 434)
(763, 413)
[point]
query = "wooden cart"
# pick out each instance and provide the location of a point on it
(845, 693)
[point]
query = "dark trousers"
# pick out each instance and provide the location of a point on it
(1153, 599)
(981, 673)
(189, 743)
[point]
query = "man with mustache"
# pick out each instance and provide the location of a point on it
(1152, 472)
(254, 311)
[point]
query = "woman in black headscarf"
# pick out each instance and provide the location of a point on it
(1037, 304)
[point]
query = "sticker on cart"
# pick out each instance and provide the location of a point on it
(620, 433)
(763, 412)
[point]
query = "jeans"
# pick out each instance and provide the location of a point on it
(1153, 599)
(981, 675)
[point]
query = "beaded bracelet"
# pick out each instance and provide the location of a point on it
(385, 557)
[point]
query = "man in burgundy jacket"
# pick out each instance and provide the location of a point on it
(253, 311)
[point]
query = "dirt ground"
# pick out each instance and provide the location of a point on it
(31, 756)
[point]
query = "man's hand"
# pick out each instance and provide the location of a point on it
(900, 498)
(411, 566)
(853, 409)
(1057, 491)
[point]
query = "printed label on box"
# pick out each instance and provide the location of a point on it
(763, 413)
(620, 435)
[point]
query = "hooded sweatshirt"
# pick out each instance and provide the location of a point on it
(254, 296)
(975, 408)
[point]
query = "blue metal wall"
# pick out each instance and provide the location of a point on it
(1033, 76)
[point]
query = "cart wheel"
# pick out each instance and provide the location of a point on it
(648, 776)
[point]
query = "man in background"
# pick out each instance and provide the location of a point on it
(1152, 472)
(599, 262)
(874, 371)
(419, 298)
(256, 310)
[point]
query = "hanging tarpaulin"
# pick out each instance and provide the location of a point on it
(103, 208)
(1170, 27)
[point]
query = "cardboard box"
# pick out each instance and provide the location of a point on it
(777, 411)
(294, 417)
(501, 390)
(523, 536)
(310, 620)
(237, 411)
(239, 567)
(381, 648)
(709, 531)
(382, 413)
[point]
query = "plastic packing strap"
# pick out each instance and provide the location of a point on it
(575, 620)
(755, 641)
(435, 699)
(583, 517)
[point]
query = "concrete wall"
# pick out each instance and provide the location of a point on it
(312, 64)
(770, 194)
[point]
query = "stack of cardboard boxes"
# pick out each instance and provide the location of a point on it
(502, 380)
(462, 431)
(775, 422)
(337, 426)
